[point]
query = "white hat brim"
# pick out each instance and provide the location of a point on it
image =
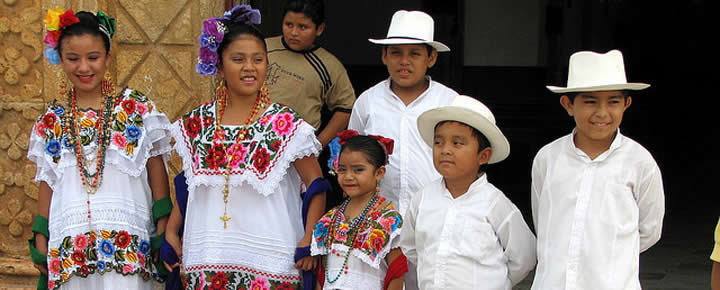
(440, 47)
(615, 87)
(427, 121)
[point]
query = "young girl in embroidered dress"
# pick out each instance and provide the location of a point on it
(103, 184)
(245, 159)
(358, 238)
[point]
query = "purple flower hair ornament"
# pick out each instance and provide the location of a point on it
(213, 33)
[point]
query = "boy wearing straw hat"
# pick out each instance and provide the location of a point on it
(391, 107)
(597, 195)
(462, 231)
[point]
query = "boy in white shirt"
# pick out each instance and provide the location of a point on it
(460, 230)
(391, 107)
(597, 196)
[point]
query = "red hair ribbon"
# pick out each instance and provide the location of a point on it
(387, 143)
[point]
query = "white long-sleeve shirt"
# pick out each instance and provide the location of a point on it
(593, 218)
(379, 111)
(478, 240)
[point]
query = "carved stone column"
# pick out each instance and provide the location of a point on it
(154, 51)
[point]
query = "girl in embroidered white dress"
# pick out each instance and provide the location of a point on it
(358, 238)
(245, 159)
(100, 165)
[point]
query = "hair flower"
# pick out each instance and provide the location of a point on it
(346, 135)
(52, 19)
(335, 148)
(68, 18)
(52, 55)
(213, 33)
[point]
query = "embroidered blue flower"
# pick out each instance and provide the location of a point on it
(66, 143)
(133, 132)
(60, 111)
(107, 248)
(101, 265)
(53, 148)
(144, 247)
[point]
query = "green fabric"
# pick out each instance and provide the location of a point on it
(155, 243)
(42, 283)
(161, 208)
(41, 225)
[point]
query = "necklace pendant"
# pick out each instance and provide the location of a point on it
(225, 218)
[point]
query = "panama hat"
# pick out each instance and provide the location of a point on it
(591, 71)
(411, 27)
(471, 112)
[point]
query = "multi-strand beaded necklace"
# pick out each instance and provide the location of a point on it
(357, 224)
(90, 181)
(260, 102)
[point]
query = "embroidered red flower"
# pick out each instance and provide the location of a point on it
(129, 106)
(215, 156)
(207, 122)
(81, 241)
(78, 257)
(122, 239)
(283, 124)
(192, 126)
(49, 120)
(68, 18)
(219, 281)
(285, 286)
(84, 270)
(261, 159)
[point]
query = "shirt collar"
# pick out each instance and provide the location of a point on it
(616, 143)
(429, 88)
(315, 47)
(474, 187)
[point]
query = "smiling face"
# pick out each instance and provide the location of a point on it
(408, 63)
(244, 65)
(299, 31)
(356, 175)
(84, 60)
(456, 152)
(597, 115)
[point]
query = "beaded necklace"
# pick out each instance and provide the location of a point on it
(102, 137)
(357, 224)
(260, 103)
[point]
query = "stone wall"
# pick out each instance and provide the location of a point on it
(154, 51)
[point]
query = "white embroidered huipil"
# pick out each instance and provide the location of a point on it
(379, 111)
(478, 240)
(366, 263)
(593, 218)
(111, 249)
(264, 203)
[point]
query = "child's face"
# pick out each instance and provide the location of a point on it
(299, 31)
(84, 61)
(244, 66)
(408, 63)
(597, 114)
(455, 152)
(356, 176)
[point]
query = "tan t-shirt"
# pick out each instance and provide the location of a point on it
(305, 81)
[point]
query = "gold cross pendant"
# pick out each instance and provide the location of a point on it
(225, 218)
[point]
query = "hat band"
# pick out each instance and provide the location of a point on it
(405, 37)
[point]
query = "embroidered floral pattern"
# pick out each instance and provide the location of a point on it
(265, 142)
(99, 252)
(126, 126)
(239, 279)
(371, 239)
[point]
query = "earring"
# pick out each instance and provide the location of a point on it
(63, 88)
(221, 92)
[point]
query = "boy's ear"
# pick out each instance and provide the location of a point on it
(628, 101)
(320, 29)
(566, 103)
(432, 58)
(485, 155)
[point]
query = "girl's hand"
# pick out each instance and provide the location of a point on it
(308, 263)
(174, 241)
(41, 246)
